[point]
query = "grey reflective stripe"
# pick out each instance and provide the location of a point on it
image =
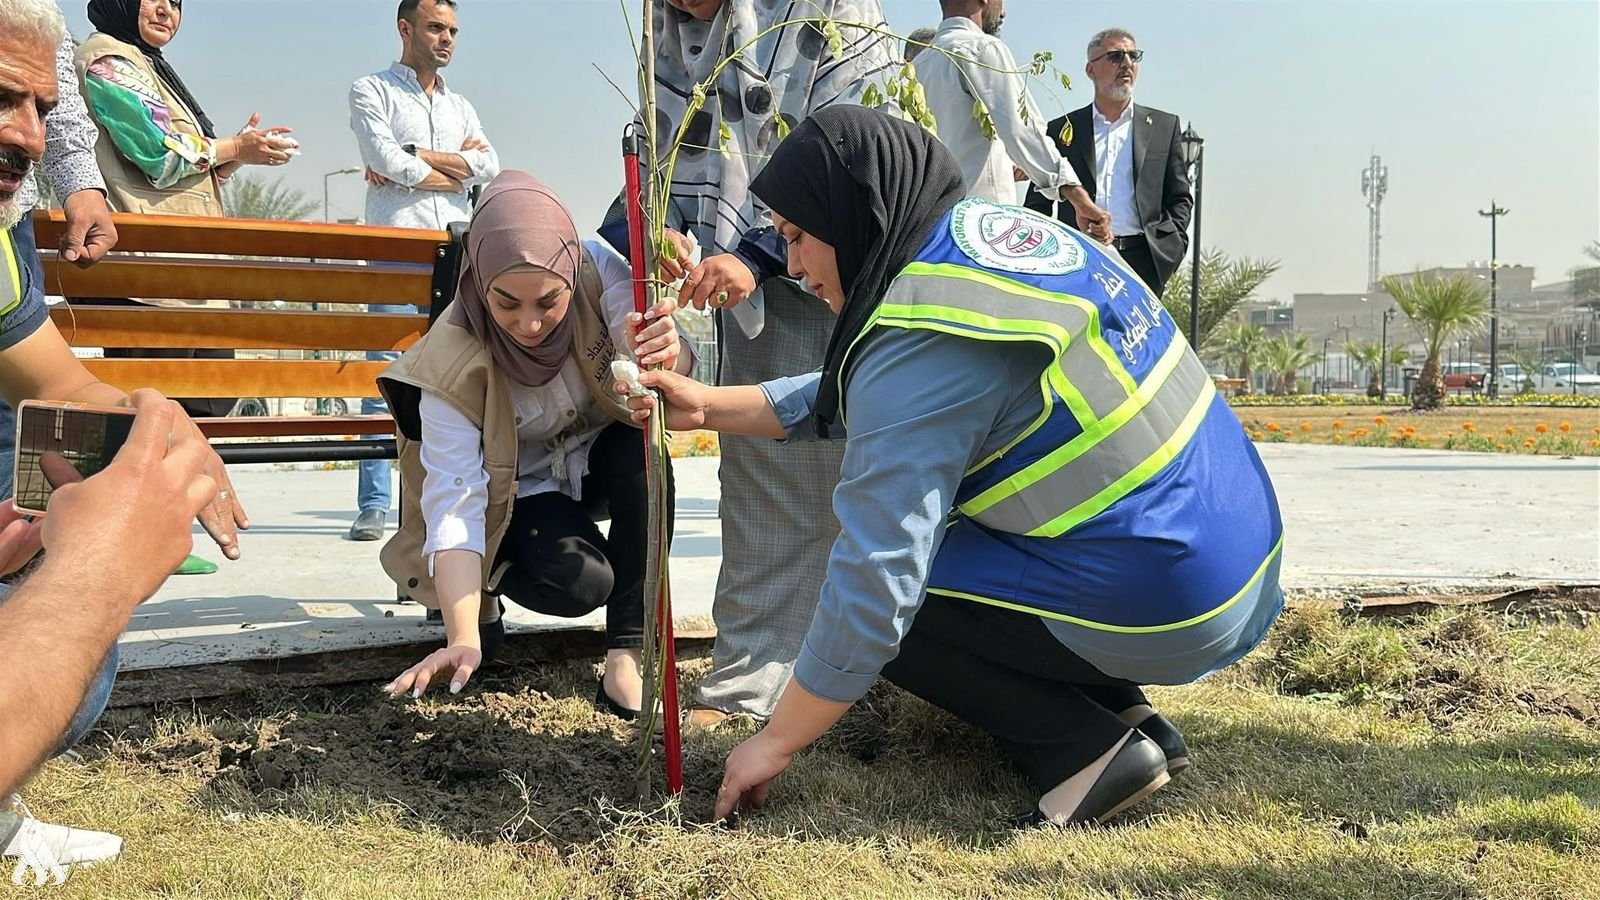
(1051, 505)
(1086, 372)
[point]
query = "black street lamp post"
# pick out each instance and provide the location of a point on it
(1493, 214)
(1383, 362)
(1193, 151)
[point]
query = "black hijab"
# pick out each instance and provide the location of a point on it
(871, 185)
(120, 19)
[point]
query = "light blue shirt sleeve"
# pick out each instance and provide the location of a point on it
(792, 399)
(485, 163)
(921, 408)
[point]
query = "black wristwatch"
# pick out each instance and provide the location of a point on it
(409, 148)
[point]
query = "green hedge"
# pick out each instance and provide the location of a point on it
(1564, 401)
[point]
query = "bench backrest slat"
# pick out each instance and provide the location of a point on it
(242, 377)
(257, 237)
(239, 329)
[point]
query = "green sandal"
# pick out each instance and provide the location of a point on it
(195, 565)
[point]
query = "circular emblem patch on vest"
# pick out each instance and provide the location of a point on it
(1014, 239)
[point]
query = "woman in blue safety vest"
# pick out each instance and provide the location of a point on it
(1044, 501)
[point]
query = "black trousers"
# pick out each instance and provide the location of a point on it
(1136, 254)
(1051, 711)
(560, 563)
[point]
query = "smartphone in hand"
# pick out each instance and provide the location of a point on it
(87, 437)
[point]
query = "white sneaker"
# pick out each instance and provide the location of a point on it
(40, 842)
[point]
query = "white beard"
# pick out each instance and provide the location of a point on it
(1120, 92)
(10, 212)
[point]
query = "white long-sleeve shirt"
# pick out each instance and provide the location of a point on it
(557, 424)
(388, 110)
(951, 88)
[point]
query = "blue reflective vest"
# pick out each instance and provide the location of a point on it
(1135, 502)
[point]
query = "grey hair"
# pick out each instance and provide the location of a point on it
(1108, 34)
(41, 18)
(917, 41)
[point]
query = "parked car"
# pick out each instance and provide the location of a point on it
(1559, 378)
(1464, 376)
(1513, 380)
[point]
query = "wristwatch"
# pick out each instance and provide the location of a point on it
(409, 148)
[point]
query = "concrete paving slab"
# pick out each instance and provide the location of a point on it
(1357, 519)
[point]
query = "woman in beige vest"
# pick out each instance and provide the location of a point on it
(512, 444)
(158, 150)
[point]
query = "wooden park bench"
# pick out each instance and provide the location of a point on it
(197, 258)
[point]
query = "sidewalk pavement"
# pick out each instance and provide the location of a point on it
(1356, 520)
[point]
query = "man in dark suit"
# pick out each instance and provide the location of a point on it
(1129, 159)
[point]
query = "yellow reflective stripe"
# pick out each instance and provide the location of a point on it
(11, 297)
(949, 319)
(1255, 577)
(1097, 341)
(1086, 441)
(1152, 464)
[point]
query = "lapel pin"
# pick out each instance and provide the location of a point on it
(1149, 121)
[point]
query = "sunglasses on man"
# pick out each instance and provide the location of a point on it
(1120, 56)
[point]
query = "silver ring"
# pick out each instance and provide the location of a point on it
(223, 495)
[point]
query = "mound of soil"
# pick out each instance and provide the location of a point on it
(502, 761)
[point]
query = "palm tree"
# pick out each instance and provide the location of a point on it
(250, 197)
(1444, 309)
(1368, 356)
(1283, 358)
(1241, 346)
(1224, 284)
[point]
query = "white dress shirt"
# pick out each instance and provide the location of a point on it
(388, 110)
(951, 88)
(1113, 171)
(557, 424)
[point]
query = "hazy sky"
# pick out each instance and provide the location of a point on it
(1463, 100)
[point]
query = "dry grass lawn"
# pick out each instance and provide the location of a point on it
(1456, 756)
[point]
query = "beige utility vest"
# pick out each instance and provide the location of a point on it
(128, 188)
(449, 362)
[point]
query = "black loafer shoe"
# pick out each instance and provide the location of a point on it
(368, 525)
(1138, 770)
(604, 703)
(1166, 735)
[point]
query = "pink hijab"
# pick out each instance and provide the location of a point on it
(518, 222)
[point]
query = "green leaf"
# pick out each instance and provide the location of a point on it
(1041, 59)
(1066, 132)
(668, 250)
(782, 127)
(835, 39)
(1066, 82)
(724, 135)
(872, 98)
(985, 123)
(1022, 109)
(892, 87)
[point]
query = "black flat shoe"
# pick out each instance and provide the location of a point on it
(1138, 770)
(1166, 735)
(604, 703)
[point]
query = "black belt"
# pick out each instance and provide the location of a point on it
(1128, 240)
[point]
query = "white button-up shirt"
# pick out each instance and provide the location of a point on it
(1113, 171)
(388, 110)
(557, 423)
(951, 88)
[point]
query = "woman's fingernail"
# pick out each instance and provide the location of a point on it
(455, 687)
(416, 693)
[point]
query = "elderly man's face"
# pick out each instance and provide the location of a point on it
(994, 16)
(27, 93)
(1113, 68)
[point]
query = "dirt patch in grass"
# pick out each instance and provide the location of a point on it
(1449, 666)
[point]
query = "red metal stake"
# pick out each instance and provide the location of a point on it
(664, 636)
